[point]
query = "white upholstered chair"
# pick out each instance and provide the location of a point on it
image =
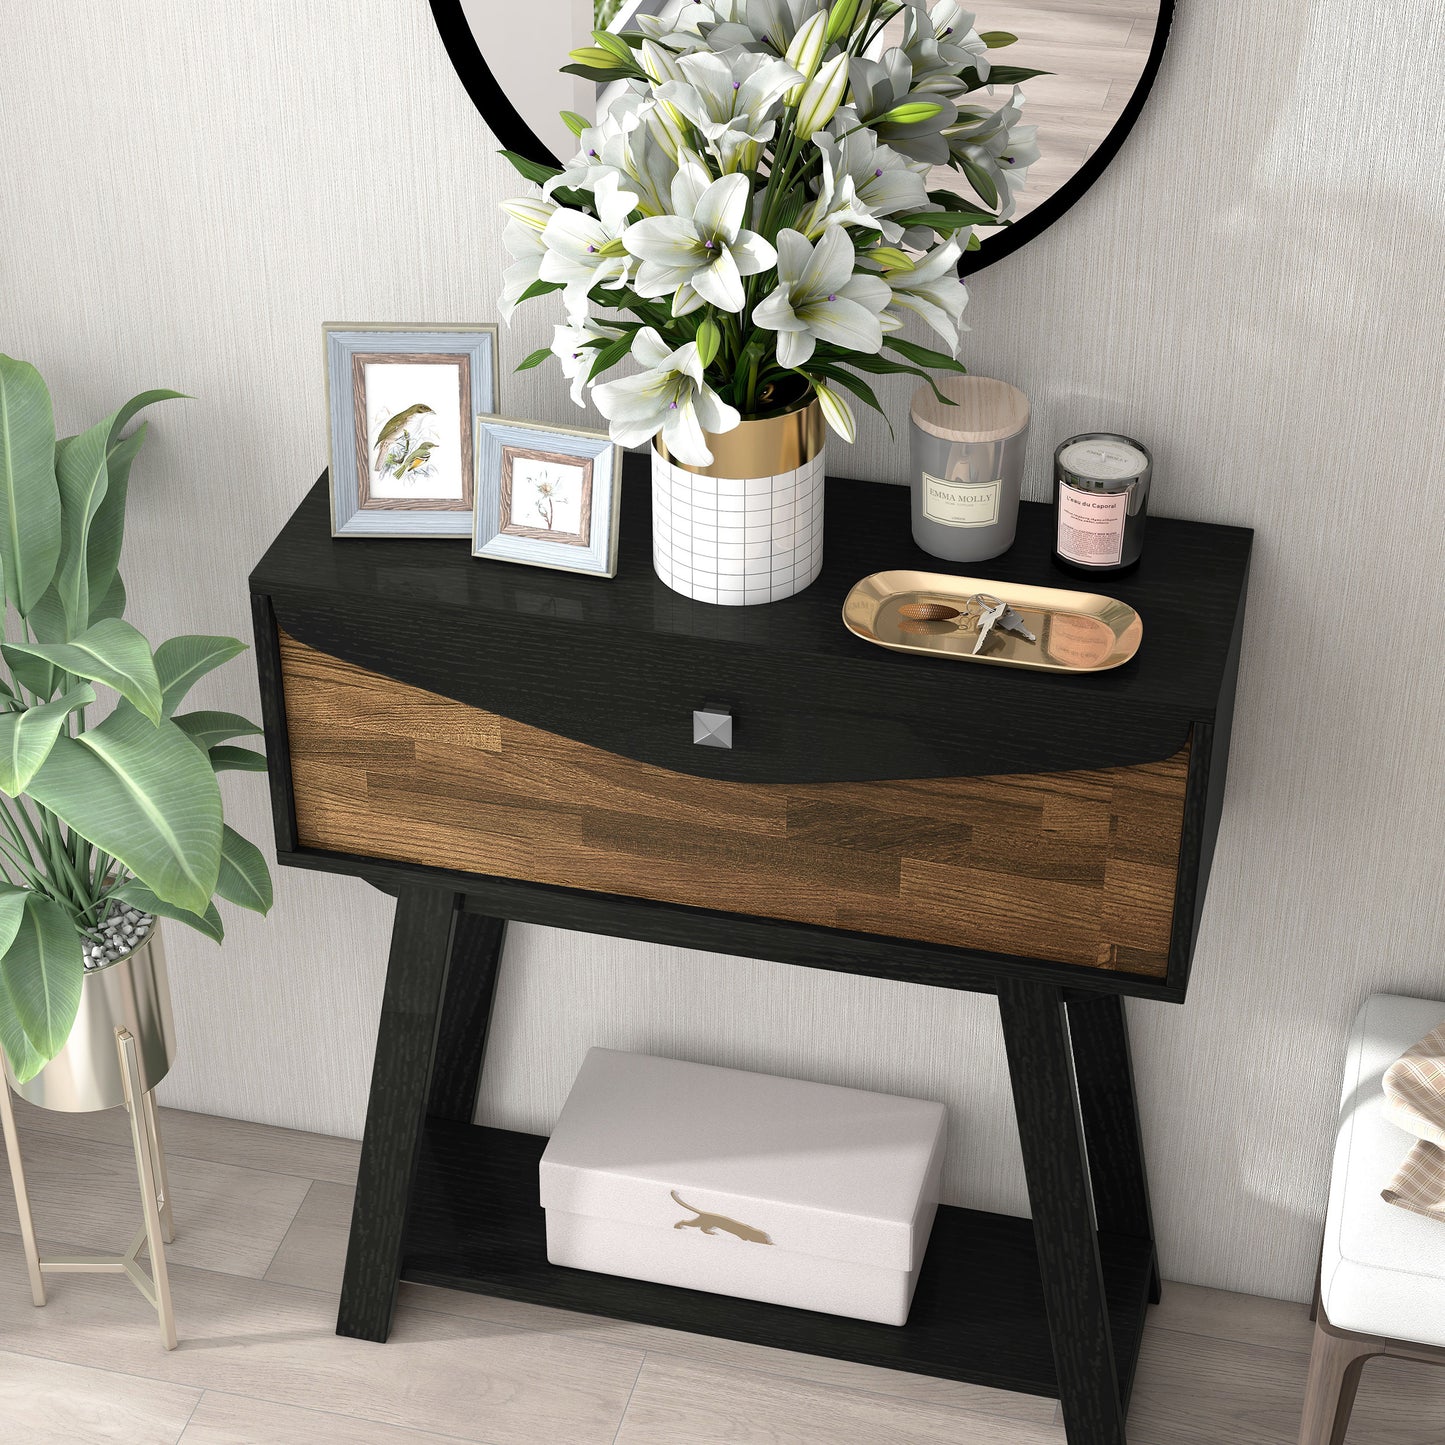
(1382, 1268)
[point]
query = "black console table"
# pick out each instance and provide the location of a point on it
(491, 742)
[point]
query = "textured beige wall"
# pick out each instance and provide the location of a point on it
(189, 191)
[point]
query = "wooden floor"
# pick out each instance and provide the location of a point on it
(261, 1226)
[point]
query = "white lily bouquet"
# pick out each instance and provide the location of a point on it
(753, 200)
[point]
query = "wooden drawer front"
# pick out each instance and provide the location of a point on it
(1078, 867)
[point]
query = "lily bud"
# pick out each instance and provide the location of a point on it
(890, 258)
(530, 211)
(806, 52)
(709, 338)
(660, 64)
(909, 113)
(606, 40)
(593, 57)
(822, 95)
(835, 411)
(841, 19)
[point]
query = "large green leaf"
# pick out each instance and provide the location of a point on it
(139, 896)
(107, 531)
(144, 794)
(27, 737)
(25, 1062)
(244, 879)
(33, 673)
(42, 970)
(181, 660)
(206, 729)
(29, 497)
(112, 652)
(81, 467)
(225, 759)
(110, 605)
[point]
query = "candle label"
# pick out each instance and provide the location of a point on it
(1091, 526)
(961, 504)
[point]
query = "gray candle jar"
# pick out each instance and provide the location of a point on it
(967, 466)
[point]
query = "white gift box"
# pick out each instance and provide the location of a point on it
(744, 1184)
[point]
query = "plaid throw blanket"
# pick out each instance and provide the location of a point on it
(1415, 1102)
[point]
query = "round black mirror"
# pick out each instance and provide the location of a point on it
(1084, 68)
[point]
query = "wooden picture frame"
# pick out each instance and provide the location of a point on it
(419, 478)
(526, 472)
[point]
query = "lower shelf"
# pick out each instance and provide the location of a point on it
(978, 1315)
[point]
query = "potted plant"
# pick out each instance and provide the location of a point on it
(752, 204)
(111, 816)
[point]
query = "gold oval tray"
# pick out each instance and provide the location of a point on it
(1075, 631)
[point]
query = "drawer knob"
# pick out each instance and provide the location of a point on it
(712, 728)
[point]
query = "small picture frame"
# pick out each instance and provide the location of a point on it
(401, 407)
(547, 496)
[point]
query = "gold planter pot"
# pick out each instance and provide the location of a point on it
(132, 993)
(748, 527)
(121, 1046)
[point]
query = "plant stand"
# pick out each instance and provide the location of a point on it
(156, 1231)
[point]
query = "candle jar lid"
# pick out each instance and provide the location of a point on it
(985, 409)
(1101, 461)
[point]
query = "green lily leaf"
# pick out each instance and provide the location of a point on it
(532, 170)
(29, 497)
(27, 737)
(224, 759)
(144, 794)
(206, 729)
(924, 355)
(180, 661)
(981, 181)
(534, 358)
(244, 879)
(139, 896)
(112, 652)
(42, 972)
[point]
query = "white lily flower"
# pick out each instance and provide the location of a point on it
(525, 246)
(733, 99)
(819, 297)
(942, 44)
(570, 347)
(585, 251)
(885, 181)
(701, 252)
(670, 397)
(935, 291)
(998, 146)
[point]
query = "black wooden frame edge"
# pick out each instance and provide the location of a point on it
(740, 935)
(277, 740)
(506, 123)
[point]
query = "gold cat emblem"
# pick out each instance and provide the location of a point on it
(711, 1223)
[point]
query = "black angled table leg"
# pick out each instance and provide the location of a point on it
(1036, 1037)
(466, 1017)
(1104, 1070)
(416, 976)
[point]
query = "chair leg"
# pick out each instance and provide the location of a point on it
(1335, 1365)
(22, 1195)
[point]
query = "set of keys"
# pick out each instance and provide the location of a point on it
(981, 611)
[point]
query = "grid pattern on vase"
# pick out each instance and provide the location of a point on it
(736, 540)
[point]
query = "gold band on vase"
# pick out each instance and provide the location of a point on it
(767, 447)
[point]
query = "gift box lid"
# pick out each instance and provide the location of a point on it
(814, 1168)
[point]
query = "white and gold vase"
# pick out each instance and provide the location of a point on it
(748, 527)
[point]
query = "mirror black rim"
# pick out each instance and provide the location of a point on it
(516, 135)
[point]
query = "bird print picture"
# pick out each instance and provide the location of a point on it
(415, 430)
